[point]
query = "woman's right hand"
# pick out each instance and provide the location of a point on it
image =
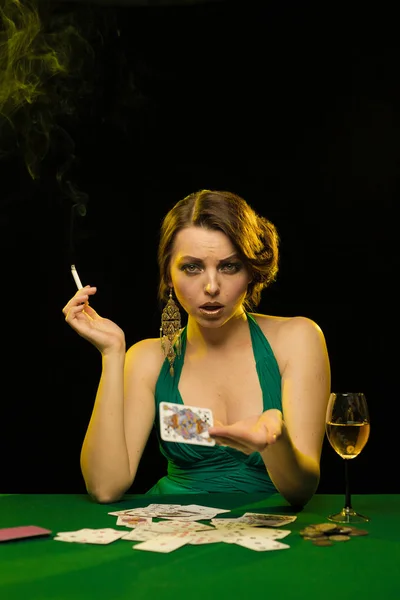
(105, 335)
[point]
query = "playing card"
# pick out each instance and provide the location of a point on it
(185, 424)
(23, 531)
(132, 520)
(207, 537)
(267, 520)
(104, 536)
(261, 544)
(206, 509)
(91, 536)
(71, 536)
(172, 526)
(141, 534)
(152, 510)
(166, 543)
(179, 514)
(234, 526)
(233, 533)
(127, 511)
(221, 522)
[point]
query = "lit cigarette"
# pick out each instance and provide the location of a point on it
(76, 277)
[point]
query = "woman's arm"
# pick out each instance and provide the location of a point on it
(290, 442)
(121, 421)
(293, 462)
(104, 454)
(123, 411)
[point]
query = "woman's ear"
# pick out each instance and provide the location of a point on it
(168, 278)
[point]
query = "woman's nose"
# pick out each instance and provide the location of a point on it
(212, 286)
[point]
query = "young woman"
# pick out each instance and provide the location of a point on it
(265, 378)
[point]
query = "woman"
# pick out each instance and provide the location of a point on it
(265, 378)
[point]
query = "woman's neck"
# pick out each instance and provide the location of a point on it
(232, 333)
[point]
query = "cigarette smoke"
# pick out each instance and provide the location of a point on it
(53, 81)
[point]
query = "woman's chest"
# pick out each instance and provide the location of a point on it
(229, 386)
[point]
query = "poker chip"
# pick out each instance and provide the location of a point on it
(326, 534)
(354, 532)
(339, 538)
(322, 542)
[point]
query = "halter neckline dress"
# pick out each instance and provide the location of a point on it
(200, 469)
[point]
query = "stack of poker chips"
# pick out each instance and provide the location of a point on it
(325, 534)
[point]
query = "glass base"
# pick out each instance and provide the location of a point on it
(348, 515)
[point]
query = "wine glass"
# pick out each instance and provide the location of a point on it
(347, 429)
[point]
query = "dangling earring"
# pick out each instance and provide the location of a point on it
(170, 326)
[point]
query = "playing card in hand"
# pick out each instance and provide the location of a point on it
(185, 424)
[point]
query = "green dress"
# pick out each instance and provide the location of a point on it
(200, 469)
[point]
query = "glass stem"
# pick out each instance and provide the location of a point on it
(347, 479)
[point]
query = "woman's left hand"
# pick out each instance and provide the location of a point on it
(250, 435)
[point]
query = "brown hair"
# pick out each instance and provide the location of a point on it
(255, 238)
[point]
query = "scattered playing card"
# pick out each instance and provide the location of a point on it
(141, 534)
(179, 524)
(217, 522)
(23, 531)
(185, 424)
(166, 543)
(172, 526)
(261, 544)
(267, 520)
(91, 536)
(232, 533)
(206, 509)
(207, 537)
(132, 520)
(72, 536)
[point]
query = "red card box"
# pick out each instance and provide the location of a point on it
(24, 531)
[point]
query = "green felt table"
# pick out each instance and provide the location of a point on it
(44, 569)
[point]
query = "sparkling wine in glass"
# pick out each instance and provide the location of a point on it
(347, 429)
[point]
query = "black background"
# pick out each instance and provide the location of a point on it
(293, 106)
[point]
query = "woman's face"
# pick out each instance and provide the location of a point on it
(209, 279)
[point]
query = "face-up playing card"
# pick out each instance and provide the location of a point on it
(132, 520)
(166, 543)
(172, 526)
(91, 536)
(261, 544)
(72, 536)
(217, 522)
(206, 510)
(141, 534)
(207, 537)
(267, 520)
(233, 534)
(154, 530)
(185, 424)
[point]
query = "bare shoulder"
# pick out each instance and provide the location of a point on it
(145, 359)
(287, 326)
(288, 336)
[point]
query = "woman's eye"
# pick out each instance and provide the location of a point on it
(231, 267)
(226, 268)
(190, 268)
